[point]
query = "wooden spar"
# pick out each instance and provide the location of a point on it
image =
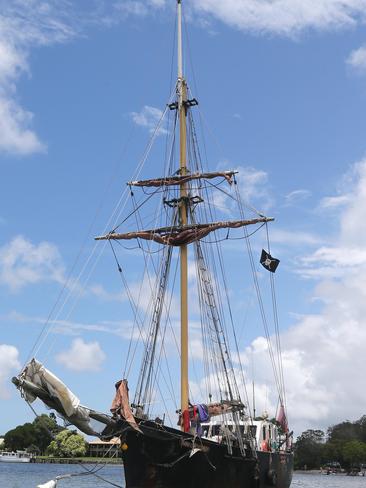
(174, 231)
(182, 93)
(179, 179)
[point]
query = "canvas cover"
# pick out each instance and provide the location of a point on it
(36, 381)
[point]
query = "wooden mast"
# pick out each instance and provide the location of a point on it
(182, 98)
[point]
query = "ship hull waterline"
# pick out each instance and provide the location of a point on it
(161, 457)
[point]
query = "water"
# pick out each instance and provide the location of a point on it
(324, 481)
(30, 475)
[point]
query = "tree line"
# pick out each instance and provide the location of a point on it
(45, 437)
(342, 444)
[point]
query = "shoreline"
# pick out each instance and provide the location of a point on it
(83, 460)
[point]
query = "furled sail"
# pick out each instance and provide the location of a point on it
(180, 180)
(36, 381)
(182, 235)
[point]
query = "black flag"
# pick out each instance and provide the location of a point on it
(268, 262)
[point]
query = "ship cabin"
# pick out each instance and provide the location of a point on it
(263, 433)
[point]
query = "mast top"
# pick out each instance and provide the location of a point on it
(180, 48)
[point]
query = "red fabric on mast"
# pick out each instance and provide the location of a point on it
(282, 419)
(186, 421)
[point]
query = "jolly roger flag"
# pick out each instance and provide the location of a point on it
(268, 262)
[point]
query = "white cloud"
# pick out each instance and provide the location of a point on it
(131, 7)
(252, 185)
(82, 356)
(99, 291)
(15, 135)
(9, 363)
(252, 181)
(138, 7)
(23, 263)
(297, 196)
(357, 59)
(294, 238)
(324, 352)
(334, 262)
(149, 117)
(25, 24)
(284, 17)
(335, 202)
(69, 327)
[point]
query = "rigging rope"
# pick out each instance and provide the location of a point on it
(262, 312)
(76, 285)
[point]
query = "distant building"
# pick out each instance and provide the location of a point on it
(2, 440)
(109, 449)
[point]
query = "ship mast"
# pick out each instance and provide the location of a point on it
(182, 99)
(182, 235)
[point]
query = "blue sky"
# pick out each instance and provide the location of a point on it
(282, 90)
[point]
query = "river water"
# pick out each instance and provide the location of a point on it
(324, 481)
(30, 475)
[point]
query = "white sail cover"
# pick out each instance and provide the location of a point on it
(37, 374)
(36, 381)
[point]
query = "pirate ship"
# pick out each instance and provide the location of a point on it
(217, 440)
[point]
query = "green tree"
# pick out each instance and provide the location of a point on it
(33, 449)
(362, 428)
(345, 431)
(333, 452)
(309, 449)
(354, 452)
(67, 444)
(20, 438)
(45, 429)
(38, 434)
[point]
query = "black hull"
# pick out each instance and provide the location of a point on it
(160, 458)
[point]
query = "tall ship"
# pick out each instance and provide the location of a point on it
(186, 339)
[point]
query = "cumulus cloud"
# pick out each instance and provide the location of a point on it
(82, 356)
(9, 363)
(284, 17)
(252, 185)
(357, 59)
(323, 353)
(149, 117)
(252, 182)
(27, 24)
(23, 263)
(23, 25)
(335, 202)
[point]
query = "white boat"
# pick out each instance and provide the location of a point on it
(15, 457)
